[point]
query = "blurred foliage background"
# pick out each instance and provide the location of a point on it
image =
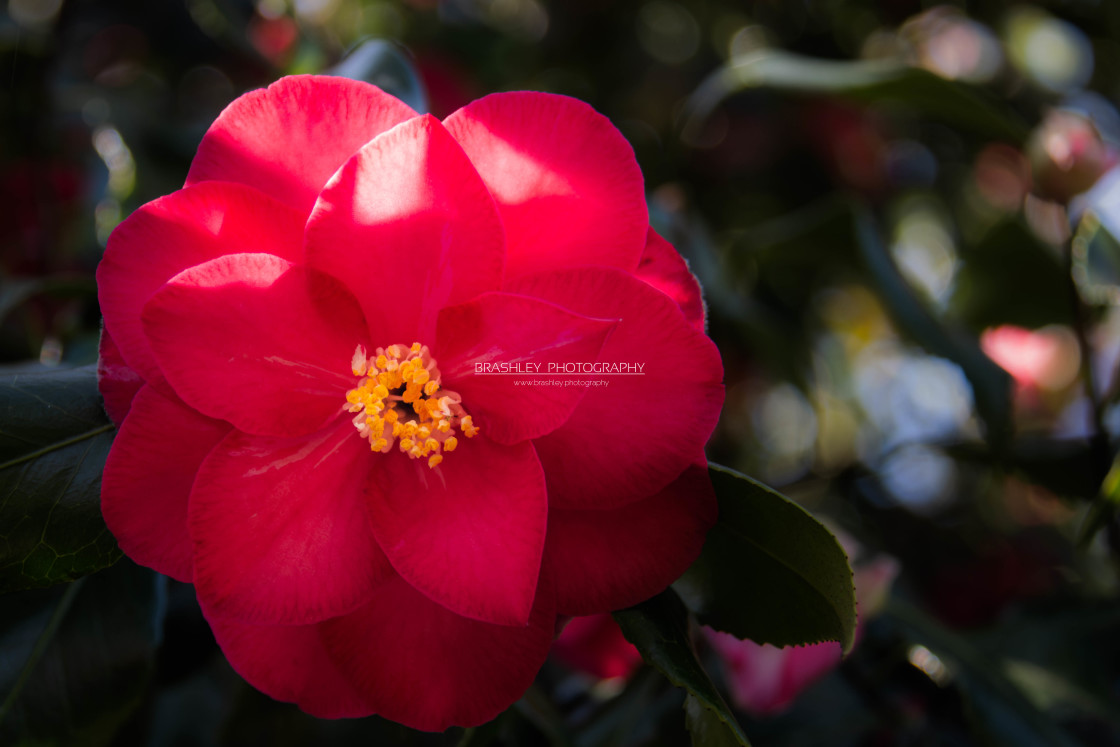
(884, 199)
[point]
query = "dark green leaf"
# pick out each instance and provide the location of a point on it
(878, 82)
(75, 660)
(991, 385)
(705, 727)
(659, 627)
(769, 571)
(53, 444)
(388, 67)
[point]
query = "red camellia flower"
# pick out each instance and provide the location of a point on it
(329, 355)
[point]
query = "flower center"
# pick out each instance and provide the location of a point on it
(399, 400)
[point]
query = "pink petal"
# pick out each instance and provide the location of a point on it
(425, 667)
(663, 267)
(765, 679)
(183, 229)
(280, 531)
(288, 139)
(148, 478)
(498, 328)
(117, 382)
(409, 227)
(615, 558)
(470, 533)
(290, 663)
(634, 436)
(257, 341)
(565, 179)
(595, 645)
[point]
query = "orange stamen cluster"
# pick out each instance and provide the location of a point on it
(399, 400)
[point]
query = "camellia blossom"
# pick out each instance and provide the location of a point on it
(290, 347)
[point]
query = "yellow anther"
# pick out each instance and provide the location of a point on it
(381, 361)
(411, 393)
(450, 444)
(434, 460)
(444, 426)
(406, 444)
(392, 365)
(468, 426)
(415, 347)
(391, 416)
(432, 445)
(354, 396)
(378, 444)
(431, 388)
(422, 376)
(424, 431)
(381, 391)
(394, 351)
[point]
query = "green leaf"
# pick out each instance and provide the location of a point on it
(705, 727)
(877, 82)
(54, 439)
(991, 385)
(75, 660)
(388, 67)
(770, 572)
(659, 628)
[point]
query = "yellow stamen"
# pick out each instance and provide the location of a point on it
(399, 401)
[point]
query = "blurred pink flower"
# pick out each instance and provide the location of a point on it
(595, 645)
(1068, 155)
(1044, 359)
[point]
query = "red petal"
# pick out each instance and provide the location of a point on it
(565, 179)
(288, 139)
(257, 341)
(503, 328)
(469, 533)
(409, 227)
(148, 478)
(663, 267)
(615, 558)
(181, 230)
(634, 436)
(280, 531)
(290, 663)
(117, 382)
(425, 667)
